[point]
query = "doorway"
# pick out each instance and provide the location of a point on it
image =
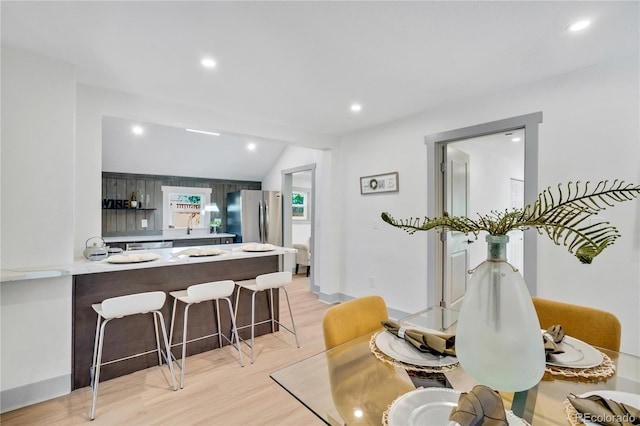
(450, 256)
(298, 193)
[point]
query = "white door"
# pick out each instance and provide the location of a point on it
(515, 248)
(456, 244)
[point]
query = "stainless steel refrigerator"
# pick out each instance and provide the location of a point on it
(255, 216)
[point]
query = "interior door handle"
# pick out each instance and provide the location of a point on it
(470, 241)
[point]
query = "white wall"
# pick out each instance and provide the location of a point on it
(590, 131)
(327, 261)
(300, 233)
(37, 159)
(38, 100)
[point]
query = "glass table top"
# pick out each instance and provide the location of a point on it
(349, 385)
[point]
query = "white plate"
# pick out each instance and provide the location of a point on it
(132, 258)
(258, 247)
(430, 407)
(623, 397)
(577, 354)
(401, 350)
(199, 252)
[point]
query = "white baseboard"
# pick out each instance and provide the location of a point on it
(340, 297)
(21, 396)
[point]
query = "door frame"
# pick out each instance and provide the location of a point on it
(287, 189)
(435, 156)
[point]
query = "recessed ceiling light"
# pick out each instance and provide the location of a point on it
(356, 107)
(251, 146)
(202, 131)
(137, 130)
(208, 63)
(579, 25)
(515, 139)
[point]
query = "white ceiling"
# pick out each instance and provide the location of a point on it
(303, 63)
(165, 150)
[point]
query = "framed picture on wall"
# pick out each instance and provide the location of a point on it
(374, 184)
(299, 205)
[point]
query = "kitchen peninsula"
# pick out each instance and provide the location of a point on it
(94, 281)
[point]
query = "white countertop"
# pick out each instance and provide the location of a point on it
(164, 237)
(168, 257)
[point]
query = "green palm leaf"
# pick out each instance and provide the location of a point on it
(563, 215)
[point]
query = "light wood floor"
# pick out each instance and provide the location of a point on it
(217, 390)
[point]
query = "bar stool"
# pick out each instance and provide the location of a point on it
(212, 291)
(120, 307)
(261, 283)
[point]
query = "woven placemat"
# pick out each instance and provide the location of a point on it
(572, 413)
(410, 367)
(605, 369)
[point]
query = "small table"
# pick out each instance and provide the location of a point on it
(349, 385)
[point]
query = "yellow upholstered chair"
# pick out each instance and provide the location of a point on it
(593, 326)
(352, 319)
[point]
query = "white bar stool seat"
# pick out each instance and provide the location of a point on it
(197, 293)
(266, 282)
(120, 307)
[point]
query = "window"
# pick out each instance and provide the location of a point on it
(184, 207)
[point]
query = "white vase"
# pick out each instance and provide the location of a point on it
(498, 338)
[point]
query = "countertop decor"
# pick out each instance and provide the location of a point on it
(498, 338)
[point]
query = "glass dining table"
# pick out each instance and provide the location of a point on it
(350, 385)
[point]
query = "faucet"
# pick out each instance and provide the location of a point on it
(189, 228)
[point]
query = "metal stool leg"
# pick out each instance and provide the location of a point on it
(92, 370)
(167, 348)
(184, 344)
(253, 322)
(173, 320)
(295, 334)
(217, 307)
(155, 327)
(96, 379)
(273, 318)
(236, 310)
(235, 331)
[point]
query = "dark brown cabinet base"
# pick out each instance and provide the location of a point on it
(132, 335)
